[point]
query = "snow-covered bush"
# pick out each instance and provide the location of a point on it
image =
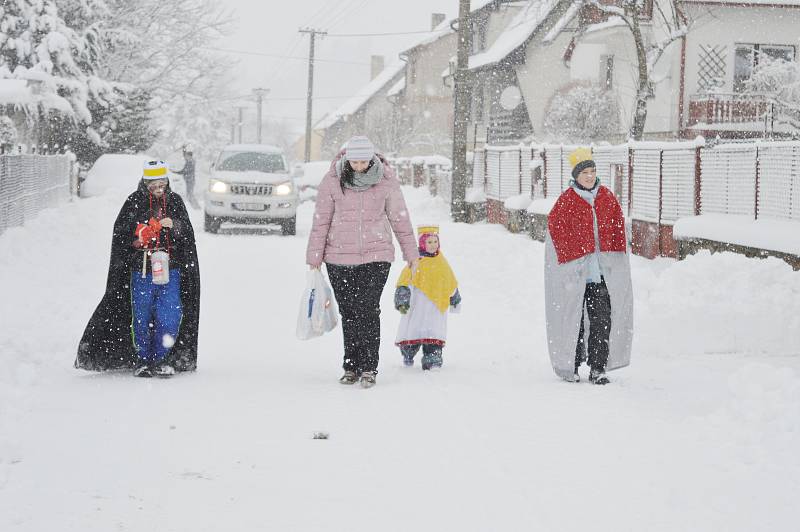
(778, 79)
(8, 132)
(582, 113)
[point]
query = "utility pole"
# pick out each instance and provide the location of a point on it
(259, 93)
(313, 33)
(461, 103)
(241, 109)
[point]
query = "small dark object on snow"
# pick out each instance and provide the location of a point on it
(321, 435)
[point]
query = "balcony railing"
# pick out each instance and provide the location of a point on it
(746, 112)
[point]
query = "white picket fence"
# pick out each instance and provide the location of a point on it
(658, 182)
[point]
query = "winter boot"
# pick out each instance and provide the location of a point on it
(408, 359)
(164, 371)
(349, 377)
(368, 379)
(598, 376)
(432, 360)
(143, 370)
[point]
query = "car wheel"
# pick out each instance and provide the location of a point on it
(212, 223)
(289, 226)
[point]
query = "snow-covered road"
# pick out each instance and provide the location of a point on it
(700, 433)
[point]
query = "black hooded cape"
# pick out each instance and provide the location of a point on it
(107, 342)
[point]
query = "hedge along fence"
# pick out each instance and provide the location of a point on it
(29, 184)
(657, 183)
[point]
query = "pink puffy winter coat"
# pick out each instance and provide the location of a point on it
(352, 227)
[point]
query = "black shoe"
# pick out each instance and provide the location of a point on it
(598, 376)
(368, 379)
(143, 371)
(164, 371)
(349, 377)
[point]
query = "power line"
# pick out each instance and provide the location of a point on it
(378, 34)
(344, 13)
(262, 54)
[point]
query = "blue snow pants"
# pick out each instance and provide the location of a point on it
(157, 314)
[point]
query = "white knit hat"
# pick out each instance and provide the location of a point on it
(154, 170)
(359, 149)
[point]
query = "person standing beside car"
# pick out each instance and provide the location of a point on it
(148, 318)
(188, 176)
(359, 205)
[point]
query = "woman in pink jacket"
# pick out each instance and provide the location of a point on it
(359, 204)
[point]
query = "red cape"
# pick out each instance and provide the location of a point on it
(571, 225)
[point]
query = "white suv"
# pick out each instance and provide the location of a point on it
(250, 183)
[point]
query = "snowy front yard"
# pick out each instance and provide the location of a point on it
(700, 433)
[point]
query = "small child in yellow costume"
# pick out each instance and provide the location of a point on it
(423, 297)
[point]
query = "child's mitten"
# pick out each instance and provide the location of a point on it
(402, 299)
(455, 299)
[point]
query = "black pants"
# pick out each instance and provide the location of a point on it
(597, 303)
(358, 292)
(190, 191)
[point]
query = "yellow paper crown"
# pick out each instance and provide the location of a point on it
(580, 155)
(429, 229)
(154, 170)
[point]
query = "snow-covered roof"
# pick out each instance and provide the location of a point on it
(477, 5)
(369, 90)
(516, 34)
(612, 22)
(444, 28)
(15, 92)
(746, 3)
(562, 22)
(398, 87)
(262, 148)
(18, 91)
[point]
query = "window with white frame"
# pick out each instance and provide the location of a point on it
(747, 57)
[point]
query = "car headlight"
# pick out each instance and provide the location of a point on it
(284, 189)
(220, 187)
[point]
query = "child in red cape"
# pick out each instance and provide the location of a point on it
(587, 275)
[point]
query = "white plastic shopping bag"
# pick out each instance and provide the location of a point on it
(318, 312)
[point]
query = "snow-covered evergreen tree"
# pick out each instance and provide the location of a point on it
(37, 44)
(582, 113)
(162, 46)
(8, 133)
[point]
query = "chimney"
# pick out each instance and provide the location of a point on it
(376, 66)
(436, 19)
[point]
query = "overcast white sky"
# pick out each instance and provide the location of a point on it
(271, 27)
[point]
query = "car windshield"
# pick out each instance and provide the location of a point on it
(243, 161)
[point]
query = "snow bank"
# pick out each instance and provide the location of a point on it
(775, 235)
(114, 172)
(704, 421)
(475, 195)
(542, 205)
(720, 304)
(518, 202)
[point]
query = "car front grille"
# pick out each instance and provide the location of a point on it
(251, 190)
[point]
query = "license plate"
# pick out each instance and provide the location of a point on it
(251, 206)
